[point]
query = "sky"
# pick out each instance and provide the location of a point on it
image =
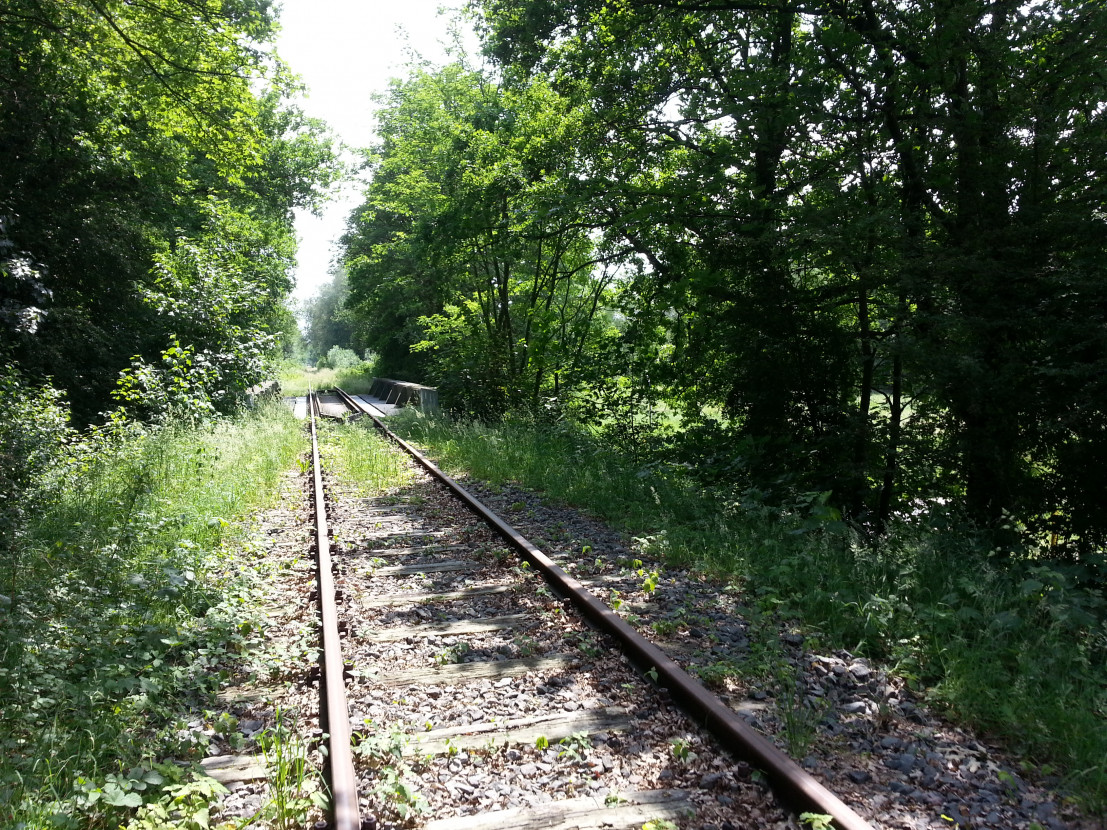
(345, 51)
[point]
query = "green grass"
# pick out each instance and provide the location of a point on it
(359, 455)
(127, 609)
(296, 380)
(1016, 647)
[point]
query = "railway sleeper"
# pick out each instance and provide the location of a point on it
(478, 699)
(571, 736)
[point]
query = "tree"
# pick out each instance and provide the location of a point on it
(461, 232)
(130, 131)
(327, 319)
(870, 228)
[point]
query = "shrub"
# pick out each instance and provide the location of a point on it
(34, 433)
(340, 358)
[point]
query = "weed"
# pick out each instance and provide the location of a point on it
(498, 555)
(588, 645)
(527, 645)
(184, 805)
(817, 821)
(542, 742)
(395, 790)
(1008, 782)
(798, 716)
(715, 675)
(575, 746)
(381, 747)
(293, 789)
(226, 724)
(664, 628)
(127, 589)
(363, 458)
(682, 750)
(393, 786)
(296, 380)
(452, 654)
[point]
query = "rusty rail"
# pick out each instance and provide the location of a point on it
(334, 717)
(790, 780)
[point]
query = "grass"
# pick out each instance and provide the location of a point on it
(128, 607)
(289, 772)
(296, 380)
(1014, 646)
(360, 456)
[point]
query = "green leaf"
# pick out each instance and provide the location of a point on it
(118, 798)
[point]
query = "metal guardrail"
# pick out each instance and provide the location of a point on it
(402, 393)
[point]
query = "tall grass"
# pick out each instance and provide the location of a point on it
(126, 610)
(296, 380)
(1014, 645)
(360, 456)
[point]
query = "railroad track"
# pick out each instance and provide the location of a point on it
(470, 683)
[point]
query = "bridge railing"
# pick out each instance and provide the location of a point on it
(401, 393)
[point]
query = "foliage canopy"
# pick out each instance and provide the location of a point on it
(152, 161)
(852, 249)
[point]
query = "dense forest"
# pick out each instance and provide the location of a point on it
(844, 248)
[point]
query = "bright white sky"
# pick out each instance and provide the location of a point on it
(345, 51)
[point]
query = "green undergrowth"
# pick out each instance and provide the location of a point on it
(360, 456)
(297, 380)
(126, 608)
(1011, 644)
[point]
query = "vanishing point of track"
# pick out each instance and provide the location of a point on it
(415, 598)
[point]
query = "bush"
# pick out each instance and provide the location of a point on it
(340, 358)
(34, 434)
(132, 610)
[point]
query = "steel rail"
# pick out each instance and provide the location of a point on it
(335, 717)
(788, 778)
